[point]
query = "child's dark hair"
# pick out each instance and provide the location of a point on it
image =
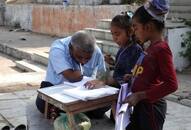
(144, 17)
(122, 21)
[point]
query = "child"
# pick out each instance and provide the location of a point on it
(122, 33)
(155, 77)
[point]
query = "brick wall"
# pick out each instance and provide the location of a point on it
(59, 20)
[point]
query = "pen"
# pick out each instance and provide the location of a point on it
(81, 69)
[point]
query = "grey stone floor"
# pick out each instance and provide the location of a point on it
(20, 107)
(21, 104)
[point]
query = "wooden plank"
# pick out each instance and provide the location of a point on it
(46, 110)
(83, 104)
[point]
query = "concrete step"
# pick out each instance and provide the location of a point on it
(14, 52)
(180, 12)
(180, 2)
(180, 15)
(29, 66)
(180, 9)
(100, 33)
(108, 47)
(20, 79)
(104, 24)
(40, 57)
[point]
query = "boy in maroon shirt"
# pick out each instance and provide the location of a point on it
(155, 77)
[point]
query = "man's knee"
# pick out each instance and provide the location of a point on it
(40, 103)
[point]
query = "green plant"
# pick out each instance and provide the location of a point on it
(187, 45)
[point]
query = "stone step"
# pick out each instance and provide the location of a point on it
(105, 45)
(180, 2)
(180, 9)
(104, 24)
(14, 52)
(180, 12)
(29, 66)
(108, 47)
(40, 57)
(181, 15)
(21, 79)
(100, 33)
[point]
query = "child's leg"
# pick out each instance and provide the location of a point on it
(148, 116)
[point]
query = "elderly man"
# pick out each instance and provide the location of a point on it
(69, 59)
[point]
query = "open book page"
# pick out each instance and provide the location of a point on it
(56, 93)
(80, 92)
(86, 94)
(79, 84)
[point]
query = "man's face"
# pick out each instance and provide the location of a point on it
(80, 56)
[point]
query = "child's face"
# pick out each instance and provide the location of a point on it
(140, 31)
(119, 35)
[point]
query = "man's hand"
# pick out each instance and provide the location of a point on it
(134, 98)
(94, 84)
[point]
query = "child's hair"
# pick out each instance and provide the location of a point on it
(123, 21)
(144, 17)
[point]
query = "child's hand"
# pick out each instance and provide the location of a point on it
(94, 84)
(109, 59)
(134, 98)
(127, 77)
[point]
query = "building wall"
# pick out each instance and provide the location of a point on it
(175, 40)
(59, 20)
(19, 15)
(80, 2)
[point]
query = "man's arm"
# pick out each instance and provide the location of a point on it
(72, 75)
(61, 64)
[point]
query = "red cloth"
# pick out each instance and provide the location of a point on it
(158, 78)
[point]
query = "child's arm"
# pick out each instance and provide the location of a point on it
(109, 59)
(134, 98)
(167, 75)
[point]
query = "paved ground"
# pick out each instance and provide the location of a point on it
(178, 116)
(12, 80)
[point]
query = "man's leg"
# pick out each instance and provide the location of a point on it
(39, 102)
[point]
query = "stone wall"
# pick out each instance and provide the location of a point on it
(19, 15)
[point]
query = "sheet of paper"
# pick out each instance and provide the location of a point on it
(56, 93)
(81, 83)
(87, 94)
(69, 92)
(124, 108)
